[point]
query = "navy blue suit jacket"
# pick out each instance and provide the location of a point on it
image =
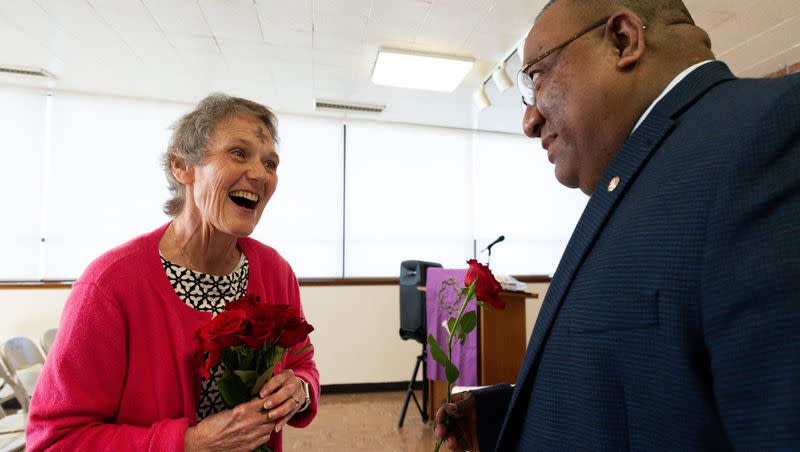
(673, 319)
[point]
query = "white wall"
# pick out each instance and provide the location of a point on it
(355, 337)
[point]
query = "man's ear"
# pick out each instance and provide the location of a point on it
(626, 32)
(182, 171)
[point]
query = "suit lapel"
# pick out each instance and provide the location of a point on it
(626, 165)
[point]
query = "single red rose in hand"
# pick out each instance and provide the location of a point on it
(295, 331)
(487, 289)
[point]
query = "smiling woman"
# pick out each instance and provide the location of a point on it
(128, 328)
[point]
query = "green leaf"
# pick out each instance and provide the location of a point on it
(232, 390)
(297, 352)
(248, 376)
(451, 372)
(437, 352)
(450, 324)
(272, 356)
(468, 322)
(260, 382)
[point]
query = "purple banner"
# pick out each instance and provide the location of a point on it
(443, 302)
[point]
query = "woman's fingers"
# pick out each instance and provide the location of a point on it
(260, 441)
(276, 382)
(285, 409)
(289, 387)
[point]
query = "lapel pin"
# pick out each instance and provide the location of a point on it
(612, 185)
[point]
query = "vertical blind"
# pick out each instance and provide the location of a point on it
(518, 196)
(408, 197)
(303, 220)
(83, 173)
(22, 126)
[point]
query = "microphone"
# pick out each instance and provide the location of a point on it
(496, 241)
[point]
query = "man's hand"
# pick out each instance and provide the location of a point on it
(460, 433)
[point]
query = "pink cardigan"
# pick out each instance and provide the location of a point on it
(122, 374)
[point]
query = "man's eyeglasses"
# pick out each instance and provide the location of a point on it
(527, 83)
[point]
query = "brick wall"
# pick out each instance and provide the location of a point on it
(785, 71)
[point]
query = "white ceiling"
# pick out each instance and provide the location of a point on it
(286, 53)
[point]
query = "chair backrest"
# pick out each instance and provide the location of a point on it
(24, 362)
(48, 337)
(21, 353)
(19, 392)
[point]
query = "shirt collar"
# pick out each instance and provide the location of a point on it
(669, 87)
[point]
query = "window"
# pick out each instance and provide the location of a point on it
(517, 195)
(22, 126)
(106, 183)
(408, 196)
(303, 220)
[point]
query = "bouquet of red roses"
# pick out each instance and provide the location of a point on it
(250, 338)
(481, 284)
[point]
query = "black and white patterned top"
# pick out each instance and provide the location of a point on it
(208, 293)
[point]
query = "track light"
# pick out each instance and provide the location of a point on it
(480, 98)
(501, 79)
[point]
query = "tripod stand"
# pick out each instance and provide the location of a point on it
(421, 359)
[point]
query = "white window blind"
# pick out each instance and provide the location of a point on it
(106, 184)
(517, 195)
(22, 126)
(303, 220)
(408, 196)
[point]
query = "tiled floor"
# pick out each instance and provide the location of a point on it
(362, 422)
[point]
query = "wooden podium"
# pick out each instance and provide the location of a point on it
(501, 347)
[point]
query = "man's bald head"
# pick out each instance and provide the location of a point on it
(591, 90)
(667, 11)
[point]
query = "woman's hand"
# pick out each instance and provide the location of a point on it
(283, 395)
(242, 428)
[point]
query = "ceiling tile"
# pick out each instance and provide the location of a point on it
(129, 17)
(193, 43)
(361, 8)
(232, 19)
(405, 13)
(294, 15)
(337, 22)
(178, 16)
(340, 42)
(287, 38)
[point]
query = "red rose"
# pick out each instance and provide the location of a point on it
(266, 322)
(295, 331)
(221, 332)
(487, 288)
(246, 303)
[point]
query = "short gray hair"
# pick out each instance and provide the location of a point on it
(192, 133)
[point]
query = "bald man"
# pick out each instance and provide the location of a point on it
(673, 319)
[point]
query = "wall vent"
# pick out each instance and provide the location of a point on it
(321, 104)
(20, 70)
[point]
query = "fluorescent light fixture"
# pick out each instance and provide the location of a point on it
(408, 69)
(481, 99)
(501, 79)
